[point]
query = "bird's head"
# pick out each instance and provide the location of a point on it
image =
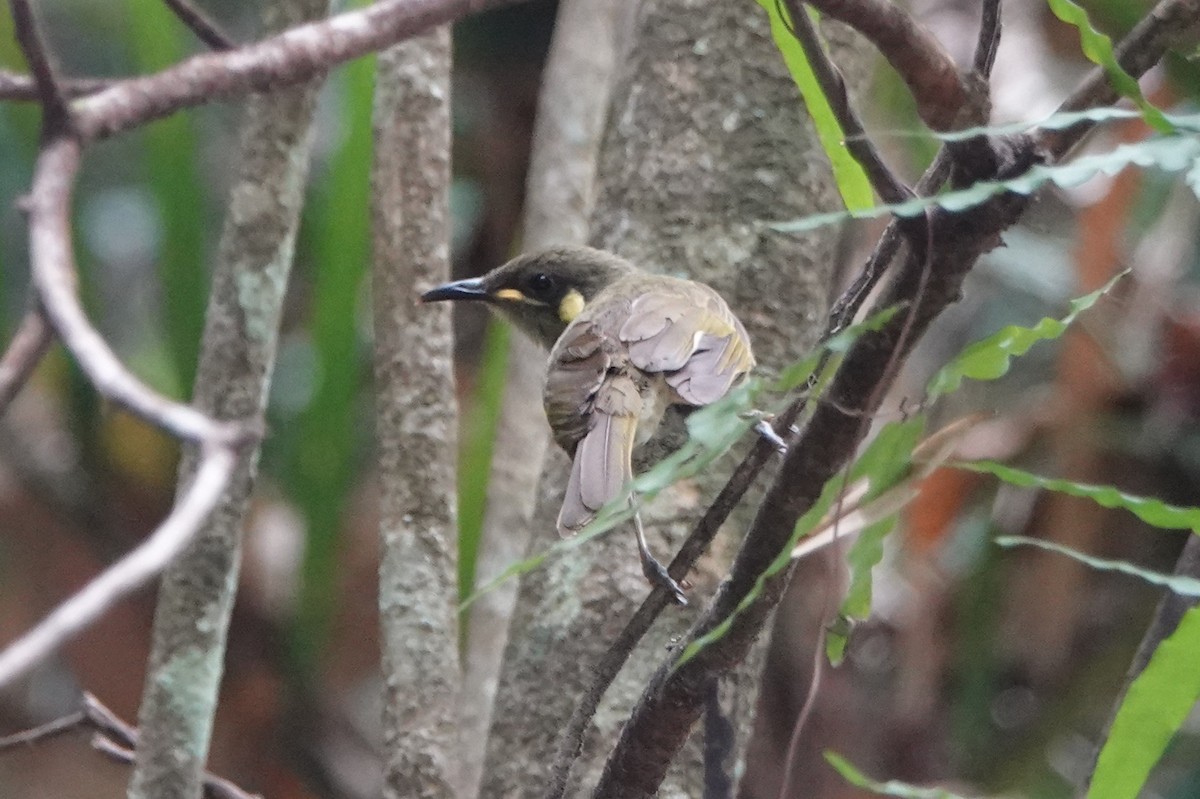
(543, 292)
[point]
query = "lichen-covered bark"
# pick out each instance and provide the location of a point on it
(416, 412)
(237, 358)
(572, 105)
(706, 137)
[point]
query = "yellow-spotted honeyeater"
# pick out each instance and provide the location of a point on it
(624, 344)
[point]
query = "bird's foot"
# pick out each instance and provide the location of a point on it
(656, 575)
(763, 427)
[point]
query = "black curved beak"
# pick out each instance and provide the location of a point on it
(471, 289)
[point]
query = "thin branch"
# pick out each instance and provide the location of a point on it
(204, 29)
(128, 574)
(56, 117)
(916, 55)
(44, 732)
(1170, 611)
(29, 345)
(113, 738)
(1167, 23)
(291, 57)
(23, 88)
(989, 38)
(53, 265)
(890, 188)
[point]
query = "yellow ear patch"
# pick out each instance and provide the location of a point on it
(511, 294)
(570, 306)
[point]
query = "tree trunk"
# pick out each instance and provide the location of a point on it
(707, 137)
(572, 104)
(236, 362)
(416, 410)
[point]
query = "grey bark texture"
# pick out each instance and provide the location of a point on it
(416, 412)
(572, 105)
(706, 137)
(254, 259)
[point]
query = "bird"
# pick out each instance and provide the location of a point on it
(624, 345)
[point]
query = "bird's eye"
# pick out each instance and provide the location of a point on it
(540, 284)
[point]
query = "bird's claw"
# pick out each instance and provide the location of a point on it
(764, 429)
(656, 575)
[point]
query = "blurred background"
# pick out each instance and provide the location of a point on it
(990, 670)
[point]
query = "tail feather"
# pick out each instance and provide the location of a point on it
(602, 468)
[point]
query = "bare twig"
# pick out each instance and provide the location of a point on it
(43, 732)
(29, 345)
(204, 29)
(126, 575)
(53, 265)
(23, 88)
(921, 61)
(889, 187)
(56, 117)
(291, 57)
(113, 738)
(988, 41)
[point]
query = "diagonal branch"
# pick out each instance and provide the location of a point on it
(29, 345)
(128, 574)
(286, 59)
(204, 29)
(1168, 23)
(113, 738)
(56, 117)
(889, 187)
(53, 266)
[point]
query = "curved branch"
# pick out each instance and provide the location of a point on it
(29, 345)
(128, 574)
(287, 59)
(53, 266)
(923, 64)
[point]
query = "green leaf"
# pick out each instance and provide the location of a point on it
(851, 180)
(1057, 121)
(1174, 153)
(1158, 702)
(326, 437)
(890, 788)
(882, 463)
(991, 357)
(1153, 512)
(1099, 50)
(1180, 584)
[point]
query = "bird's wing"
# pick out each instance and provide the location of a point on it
(578, 365)
(593, 405)
(692, 338)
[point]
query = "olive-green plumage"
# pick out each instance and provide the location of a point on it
(624, 345)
